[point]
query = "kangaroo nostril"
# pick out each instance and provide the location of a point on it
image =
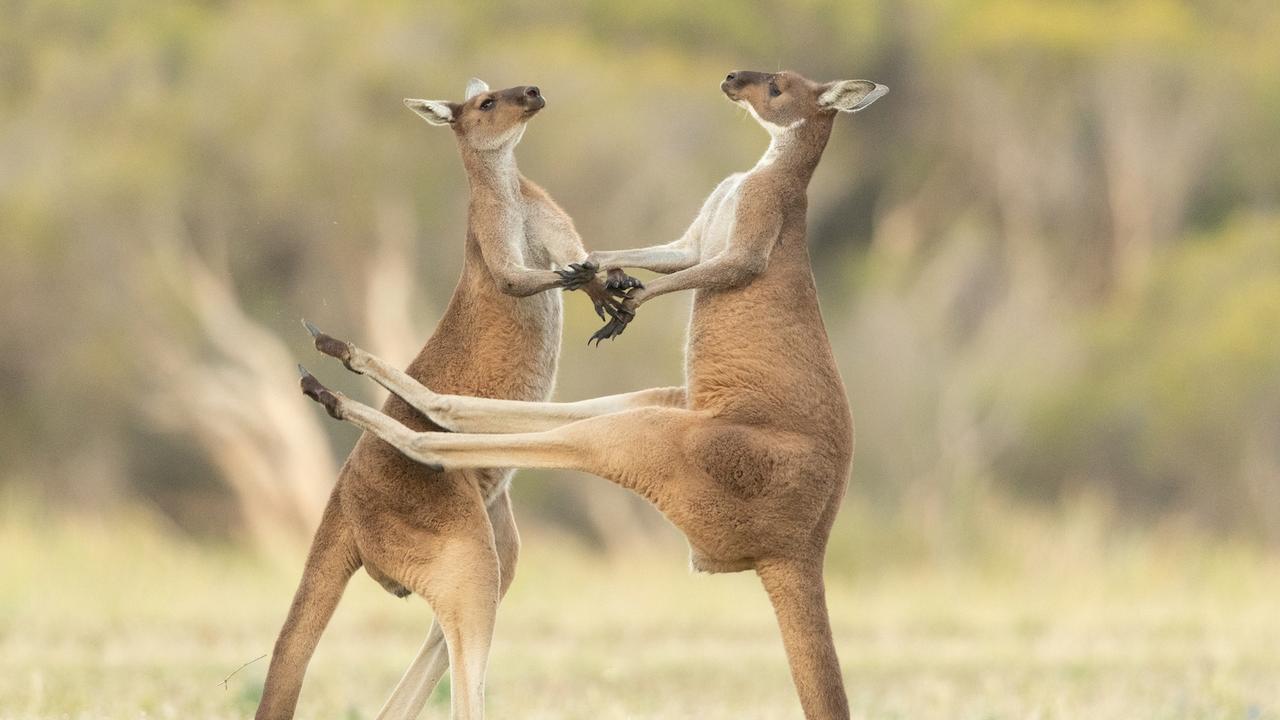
(730, 76)
(531, 91)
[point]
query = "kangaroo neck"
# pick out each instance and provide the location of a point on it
(493, 172)
(794, 151)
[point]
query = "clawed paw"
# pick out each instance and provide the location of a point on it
(577, 274)
(312, 388)
(621, 316)
(620, 281)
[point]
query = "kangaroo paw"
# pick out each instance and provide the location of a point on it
(616, 325)
(332, 346)
(605, 305)
(577, 275)
(312, 388)
(619, 280)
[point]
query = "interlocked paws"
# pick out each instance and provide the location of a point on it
(312, 388)
(619, 280)
(331, 346)
(622, 315)
(577, 275)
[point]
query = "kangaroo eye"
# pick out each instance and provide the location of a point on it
(773, 90)
(487, 104)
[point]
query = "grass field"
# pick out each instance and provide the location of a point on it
(126, 621)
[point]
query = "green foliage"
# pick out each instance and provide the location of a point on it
(1177, 402)
(1043, 257)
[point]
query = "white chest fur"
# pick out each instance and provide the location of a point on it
(720, 212)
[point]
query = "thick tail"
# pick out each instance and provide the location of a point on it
(332, 561)
(799, 600)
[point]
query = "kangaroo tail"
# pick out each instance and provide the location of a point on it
(799, 600)
(332, 561)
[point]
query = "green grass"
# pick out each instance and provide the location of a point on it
(125, 621)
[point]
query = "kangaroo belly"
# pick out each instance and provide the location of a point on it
(760, 353)
(486, 344)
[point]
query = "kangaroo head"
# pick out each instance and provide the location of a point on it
(486, 119)
(783, 99)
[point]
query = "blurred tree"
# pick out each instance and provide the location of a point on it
(1045, 260)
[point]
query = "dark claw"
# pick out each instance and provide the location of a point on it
(312, 388)
(619, 280)
(331, 346)
(614, 327)
(577, 275)
(606, 307)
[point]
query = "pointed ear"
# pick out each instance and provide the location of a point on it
(850, 95)
(475, 86)
(436, 112)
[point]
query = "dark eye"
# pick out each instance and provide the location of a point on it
(487, 104)
(773, 90)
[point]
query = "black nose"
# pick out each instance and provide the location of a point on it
(730, 76)
(531, 91)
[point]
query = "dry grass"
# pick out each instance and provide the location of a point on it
(124, 621)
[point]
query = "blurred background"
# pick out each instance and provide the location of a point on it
(1049, 263)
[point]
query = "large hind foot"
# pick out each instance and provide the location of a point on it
(312, 388)
(332, 346)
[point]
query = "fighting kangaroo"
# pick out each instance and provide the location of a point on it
(450, 536)
(750, 460)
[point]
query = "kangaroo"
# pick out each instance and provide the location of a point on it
(450, 536)
(751, 458)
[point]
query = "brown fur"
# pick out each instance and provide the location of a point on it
(448, 536)
(752, 459)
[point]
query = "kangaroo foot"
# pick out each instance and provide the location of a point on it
(577, 275)
(312, 388)
(331, 346)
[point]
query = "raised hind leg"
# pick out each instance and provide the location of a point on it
(462, 413)
(422, 676)
(629, 447)
(638, 449)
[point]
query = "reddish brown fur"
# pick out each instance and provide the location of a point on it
(449, 536)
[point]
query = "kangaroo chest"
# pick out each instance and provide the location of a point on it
(720, 216)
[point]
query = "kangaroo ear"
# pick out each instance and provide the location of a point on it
(850, 95)
(436, 112)
(475, 86)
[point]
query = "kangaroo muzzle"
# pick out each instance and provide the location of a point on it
(738, 80)
(531, 98)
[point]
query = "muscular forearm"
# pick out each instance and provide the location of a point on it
(523, 282)
(719, 273)
(660, 259)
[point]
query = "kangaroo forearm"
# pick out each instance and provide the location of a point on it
(523, 282)
(659, 259)
(719, 273)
